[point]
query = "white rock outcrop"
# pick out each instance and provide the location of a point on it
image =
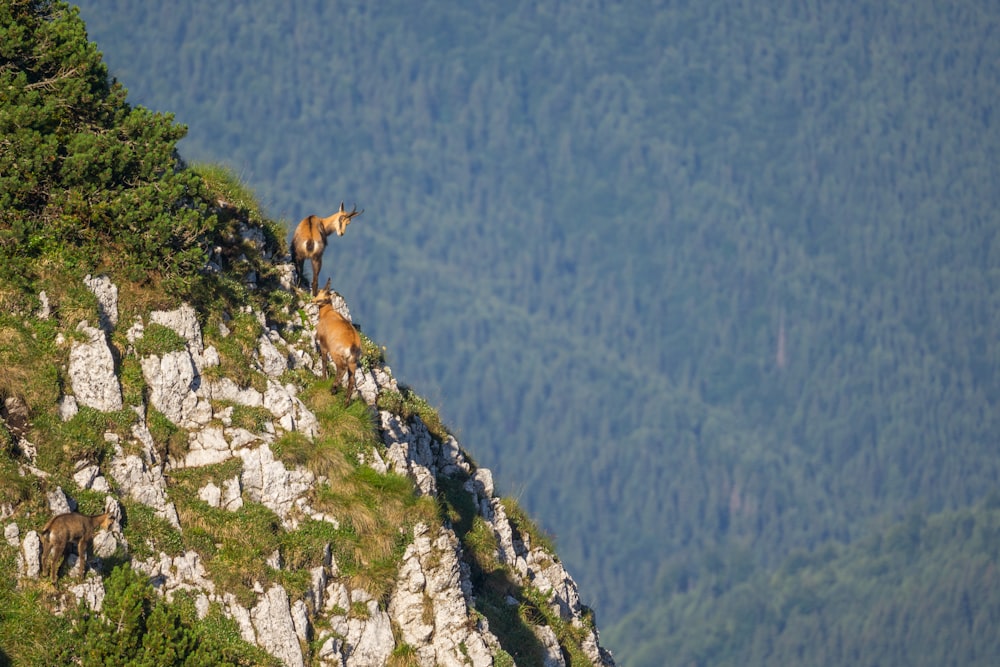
(92, 371)
(107, 300)
(431, 607)
(275, 629)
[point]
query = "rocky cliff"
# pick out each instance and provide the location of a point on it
(439, 601)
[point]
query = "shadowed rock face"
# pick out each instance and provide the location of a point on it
(433, 600)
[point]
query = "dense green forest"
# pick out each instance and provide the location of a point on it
(923, 591)
(712, 287)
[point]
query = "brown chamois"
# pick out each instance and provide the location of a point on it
(309, 240)
(338, 340)
(64, 529)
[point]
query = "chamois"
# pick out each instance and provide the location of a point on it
(63, 529)
(309, 240)
(337, 339)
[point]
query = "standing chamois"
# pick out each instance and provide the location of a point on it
(64, 529)
(309, 240)
(337, 339)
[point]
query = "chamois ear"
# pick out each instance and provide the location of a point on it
(326, 287)
(341, 207)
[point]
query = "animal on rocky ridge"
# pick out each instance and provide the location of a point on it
(338, 341)
(309, 240)
(71, 527)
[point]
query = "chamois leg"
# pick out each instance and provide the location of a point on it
(326, 368)
(47, 559)
(56, 551)
(82, 547)
(350, 385)
(317, 264)
(299, 263)
(335, 385)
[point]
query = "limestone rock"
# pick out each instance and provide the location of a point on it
(268, 482)
(207, 446)
(232, 498)
(430, 607)
(90, 592)
(86, 475)
(241, 615)
(92, 371)
(272, 361)
(211, 494)
(183, 572)
(184, 321)
(550, 643)
(225, 389)
(408, 450)
(59, 502)
(30, 556)
(172, 381)
(107, 300)
(143, 483)
(369, 641)
(272, 621)
(68, 407)
(12, 533)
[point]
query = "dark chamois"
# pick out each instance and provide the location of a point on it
(338, 340)
(309, 240)
(67, 528)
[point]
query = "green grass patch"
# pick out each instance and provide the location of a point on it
(132, 381)
(139, 627)
(407, 404)
(234, 545)
(535, 605)
(62, 444)
(29, 631)
(252, 418)
(372, 354)
(169, 439)
(403, 655)
(349, 429)
(221, 634)
(236, 343)
(148, 534)
(512, 628)
(525, 525)
(15, 488)
(30, 360)
(376, 515)
(227, 186)
(159, 340)
(191, 479)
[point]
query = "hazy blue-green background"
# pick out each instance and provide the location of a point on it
(711, 287)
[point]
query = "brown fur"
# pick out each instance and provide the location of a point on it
(338, 340)
(68, 528)
(309, 240)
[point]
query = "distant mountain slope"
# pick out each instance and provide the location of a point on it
(618, 216)
(920, 592)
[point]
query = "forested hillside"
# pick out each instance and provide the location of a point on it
(705, 284)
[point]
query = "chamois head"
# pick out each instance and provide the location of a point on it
(341, 219)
